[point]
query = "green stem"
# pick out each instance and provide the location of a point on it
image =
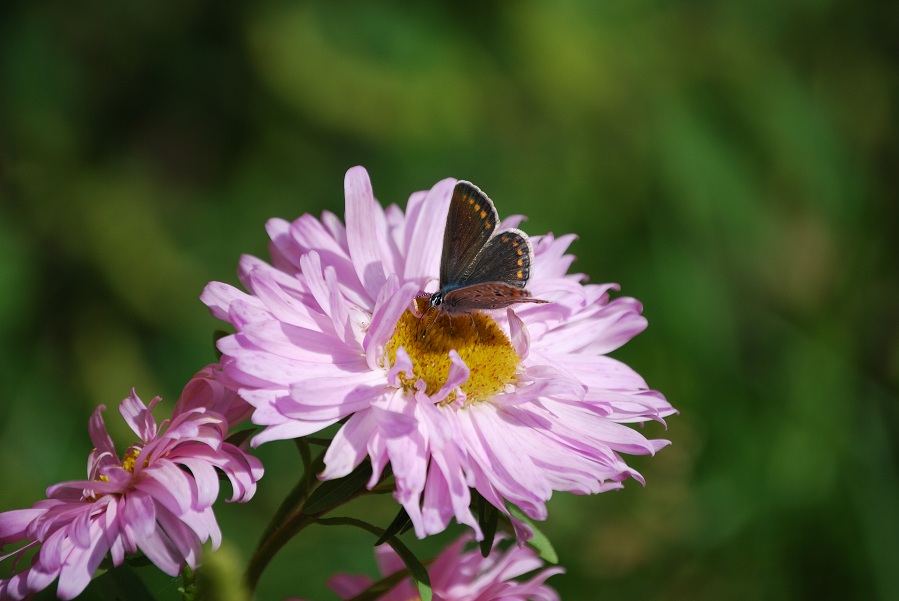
(271, 544)
(416, 568)
(292, 516)
(288, 520)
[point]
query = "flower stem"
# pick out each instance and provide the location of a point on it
(271, 544)
(288, 520)
(306, 503)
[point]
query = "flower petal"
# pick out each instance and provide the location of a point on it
(362, 235)
(426, 240)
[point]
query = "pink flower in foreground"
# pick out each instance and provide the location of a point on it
(516, 404)
(459, 575)
(156, 500)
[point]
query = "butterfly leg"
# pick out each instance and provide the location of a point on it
(429, 322)
(475, 326)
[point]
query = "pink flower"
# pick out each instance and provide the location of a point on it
(516, 405)
(459, 575)
(156, 500)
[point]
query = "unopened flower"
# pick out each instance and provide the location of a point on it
(156, 499)
(460, 575)
(516, 404)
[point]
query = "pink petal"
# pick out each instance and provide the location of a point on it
(349, 446)
(288, 431)
(14, 523)
(138, 417)
(219, 296)
(426, 242)
(283, 248)
(518, 333)
(458, 375)
(402, 365)
(205, 478)
(99, 435)
(362, 233)
(348, 586)
(283, 306)
(81, 564)
(388, 309)
(294, 342)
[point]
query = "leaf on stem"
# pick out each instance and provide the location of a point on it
(401, 523)
(539, 542)
(488, 518)
(417, 570)
(334, 492)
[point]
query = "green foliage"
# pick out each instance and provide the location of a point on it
(730, 164)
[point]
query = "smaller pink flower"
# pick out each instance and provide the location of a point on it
(460, 575)
(156, 499)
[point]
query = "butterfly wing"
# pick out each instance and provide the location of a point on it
(470, 222)
(506, 258)
(487, 296)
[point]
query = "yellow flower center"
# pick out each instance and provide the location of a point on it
(477, 338)
(127, 464)
(130, 459)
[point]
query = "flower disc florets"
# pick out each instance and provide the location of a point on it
(478, 340)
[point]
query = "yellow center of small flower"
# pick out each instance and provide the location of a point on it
(130, 459)
(477, 338)
(127, 464)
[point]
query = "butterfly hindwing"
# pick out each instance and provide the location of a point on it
(505, 258)
(487, 296)
(471, 221)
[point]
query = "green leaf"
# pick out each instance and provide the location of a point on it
(400, 524)
(417, 570)
(539, 542)
(334, 492)
(119, 583)
(240, 436)
(216, 336)
(488, 518)
(322, 442)
(379, 588)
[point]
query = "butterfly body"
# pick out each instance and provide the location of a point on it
(480, 268)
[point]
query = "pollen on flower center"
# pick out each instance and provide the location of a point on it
(478, 339)
(131, 459)
(128, 463)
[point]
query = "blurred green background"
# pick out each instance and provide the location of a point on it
(731, 164)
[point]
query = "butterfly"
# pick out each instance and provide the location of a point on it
(480, 268)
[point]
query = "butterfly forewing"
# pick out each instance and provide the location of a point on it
(470, 222)
(505, 258)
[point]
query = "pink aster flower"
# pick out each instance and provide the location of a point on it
(515, 404)
(156, 499)
(459, 575)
